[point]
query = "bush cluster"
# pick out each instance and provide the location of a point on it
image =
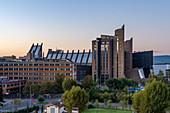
(27, 110)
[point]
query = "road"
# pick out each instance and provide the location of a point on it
(24, 103)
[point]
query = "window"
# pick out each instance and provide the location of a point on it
(64, 56)
(79, 57)
(67, 64)
(62, 64)
(46, 69)
(52, 110)
(40, 64)
(10, 64)
(51, 69)
(51, 64)
(74, 57)
(20, 64)
(67, 73)
(15, 68)
(56, 64)
(68, 69)
(58, 56)
(54, 56)
(46, 64)
(25, 64)
(15, 64)
(20, 68)
(69, 56)
(85, 58)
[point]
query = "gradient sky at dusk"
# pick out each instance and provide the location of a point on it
(73, 24)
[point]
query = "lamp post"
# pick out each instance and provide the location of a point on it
(20, 90)
(32, 67)
(30, 95)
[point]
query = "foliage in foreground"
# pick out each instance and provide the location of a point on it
(76, 97)
(154, 99)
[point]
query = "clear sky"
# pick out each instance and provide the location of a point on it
(73, 24)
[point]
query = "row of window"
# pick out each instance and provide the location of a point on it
(16, 73)
(13, 84)
(36, 69)
(3, 64)
(30, 78)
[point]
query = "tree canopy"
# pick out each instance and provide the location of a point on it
(120, 83)
(68, 83)
(153, 99)
(76, 97)
(87, 82)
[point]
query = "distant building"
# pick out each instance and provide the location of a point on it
(41, 70)
(111, 56)
(143, 60)
(58, 107)
(34, 52)
(162, 67)
(81, 60)
(10, 86)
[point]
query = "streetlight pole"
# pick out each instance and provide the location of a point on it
(30, 96)
(20, 91)
(32, 67)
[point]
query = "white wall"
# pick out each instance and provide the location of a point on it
(162, 67)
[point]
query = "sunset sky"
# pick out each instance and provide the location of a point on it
(73, 24)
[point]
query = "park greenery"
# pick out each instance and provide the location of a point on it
(76, 97)
(87, 82)
(68, 83)
(154, 98)
(46, 87)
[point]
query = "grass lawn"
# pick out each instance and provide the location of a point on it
(105, 110)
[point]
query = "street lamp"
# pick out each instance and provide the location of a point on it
(30, 95)
(32, 67)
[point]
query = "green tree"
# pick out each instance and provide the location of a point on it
(57, 84)
(124, 103)
(93, 93)
(109, 102)
(26, 89)
(40, 98)
(113, 83)
(106, 96)
(46, 87)
(160, 76)
(153, 99)
(151, 77)
(137, 101)
(76, 97)
(68, 83)
(1, 93)
(96, 103)
(156, 97)
(87, 82)
(35, 88)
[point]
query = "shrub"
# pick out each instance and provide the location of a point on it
(40, 98)
(90, 106)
